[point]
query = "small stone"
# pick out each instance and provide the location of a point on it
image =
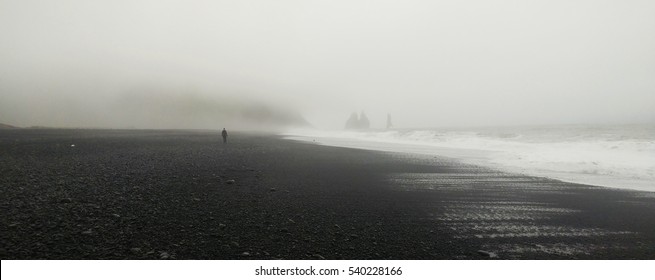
(354, 236)
(318, 256)
(222, 225)
(230, 182)
(272, 189)
(135, 250)
(66, 200)
(487, 254)
(246, 254)
(116, 215)
(164, 255)
(87, 232)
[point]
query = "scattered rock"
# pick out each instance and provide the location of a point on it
(230, 182)
(164, 255)
(116, 215)
(246, 254)
(87, 232)
(66, 200)
(222, 226)
(354, 236)
(272, 189)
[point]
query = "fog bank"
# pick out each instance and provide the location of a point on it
(197, 64)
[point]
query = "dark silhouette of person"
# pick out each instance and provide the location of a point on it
(224, 134)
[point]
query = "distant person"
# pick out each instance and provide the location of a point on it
(224, 134)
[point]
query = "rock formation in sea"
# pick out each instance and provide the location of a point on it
(358, 122)
(353, 121)
(389, 124)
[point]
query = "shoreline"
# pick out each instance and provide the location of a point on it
(170, 195)
(478, 157)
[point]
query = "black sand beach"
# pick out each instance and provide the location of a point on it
(131, 194)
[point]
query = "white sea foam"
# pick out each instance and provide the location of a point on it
(611, 156)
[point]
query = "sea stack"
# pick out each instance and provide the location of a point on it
(389, 124)
(358, 122)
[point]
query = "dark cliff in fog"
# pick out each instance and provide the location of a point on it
(6, 126)
(263, 114)
(195, 111)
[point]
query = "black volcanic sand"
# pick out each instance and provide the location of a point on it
(121, 194)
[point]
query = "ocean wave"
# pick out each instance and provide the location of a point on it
(621, 156)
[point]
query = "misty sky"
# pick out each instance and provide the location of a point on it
(428, 63)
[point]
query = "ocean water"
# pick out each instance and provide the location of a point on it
(611, 156)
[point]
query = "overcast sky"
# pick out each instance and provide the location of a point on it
(428, 63)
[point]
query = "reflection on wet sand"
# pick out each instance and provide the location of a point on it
(514, 216)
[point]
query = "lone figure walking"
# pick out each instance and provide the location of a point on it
(224, 134)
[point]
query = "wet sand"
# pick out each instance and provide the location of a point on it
(146, 194)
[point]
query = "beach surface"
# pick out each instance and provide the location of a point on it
(149, 194)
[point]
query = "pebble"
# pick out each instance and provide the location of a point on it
(487, 254)
(164, 255)
(272, 189)
(87, 232)
(66, 200)
(230, 182)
